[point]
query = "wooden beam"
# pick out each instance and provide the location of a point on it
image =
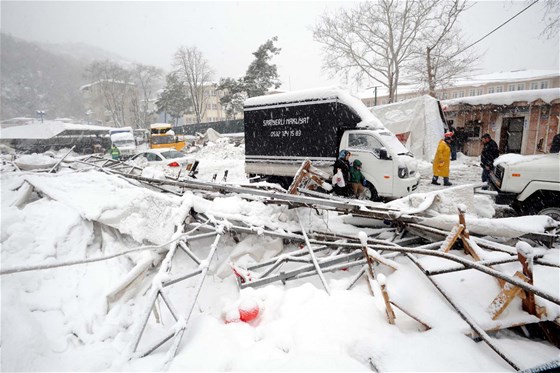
(504, 298)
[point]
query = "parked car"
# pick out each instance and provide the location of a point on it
(169, 159)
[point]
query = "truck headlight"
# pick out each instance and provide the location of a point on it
(403, 172)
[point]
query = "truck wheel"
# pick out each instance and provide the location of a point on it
(370, 192)
(553, 212)
(539, 201)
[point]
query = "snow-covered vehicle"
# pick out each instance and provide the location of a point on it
(123, 139)
(283, 130)
(168, 160)
(530, 184)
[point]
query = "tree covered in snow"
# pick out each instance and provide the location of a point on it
(233, 96)
(195, 73)
(260, 76)
(384, 41)
(173, 100)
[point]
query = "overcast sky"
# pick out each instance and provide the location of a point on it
(228, 32)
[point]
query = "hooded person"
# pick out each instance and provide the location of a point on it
(442, 159)
(357, 179)
(341, 174)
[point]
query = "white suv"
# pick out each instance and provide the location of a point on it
(528, 183)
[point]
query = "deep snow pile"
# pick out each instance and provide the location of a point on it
(63, 319)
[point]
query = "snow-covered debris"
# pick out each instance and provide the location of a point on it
(363, 238)
(64, 320)
(35, 161)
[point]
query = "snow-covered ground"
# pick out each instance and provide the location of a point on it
(74, 318)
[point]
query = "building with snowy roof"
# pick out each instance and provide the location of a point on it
(508, 81)
(522, 122)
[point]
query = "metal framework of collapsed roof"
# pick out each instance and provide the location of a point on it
(325, 252)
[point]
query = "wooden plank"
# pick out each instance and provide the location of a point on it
(451, 238)
(528, 304)
(301, 174)
(468, 248)
(505, 297)
(389, 309)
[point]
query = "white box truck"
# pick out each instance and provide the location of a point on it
(283, 130)
(123, 139)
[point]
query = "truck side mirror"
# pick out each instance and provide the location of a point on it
(383, 153)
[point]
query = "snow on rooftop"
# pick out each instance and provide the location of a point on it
(87, 86)
(470, 81)
(508, 98)
(45, 130)
(325, 93)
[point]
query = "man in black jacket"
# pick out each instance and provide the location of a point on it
(489, 153)
(555, 146)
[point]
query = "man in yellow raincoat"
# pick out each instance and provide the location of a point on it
(441, 160)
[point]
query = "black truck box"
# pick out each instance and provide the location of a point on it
(310, 128)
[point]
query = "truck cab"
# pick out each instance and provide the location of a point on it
(530, 184)
(123, 139)
(387, 165)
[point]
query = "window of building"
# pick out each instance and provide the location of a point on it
(491, 90)
(499, 89)
(544, 84)
(534, 85)
(454, 94)
(479, 92)
(445, 96)
(471, 92)
(472, 129)
(521, 86)
(511, 87)
(461, 93)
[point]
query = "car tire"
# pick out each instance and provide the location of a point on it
(553, 212)
(370, 192)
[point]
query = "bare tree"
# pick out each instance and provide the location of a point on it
(147, 79)
(114, 87)
(374, 40)
(195, 73)
(551, 18)
(440, 57)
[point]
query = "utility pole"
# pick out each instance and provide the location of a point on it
(374, 93)
(41, 114)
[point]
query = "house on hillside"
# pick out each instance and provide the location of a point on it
(522, 122)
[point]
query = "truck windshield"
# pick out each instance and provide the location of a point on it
(391, 142)
(124, 143)
(163, 139)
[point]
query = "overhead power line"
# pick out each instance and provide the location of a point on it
(497, 28)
